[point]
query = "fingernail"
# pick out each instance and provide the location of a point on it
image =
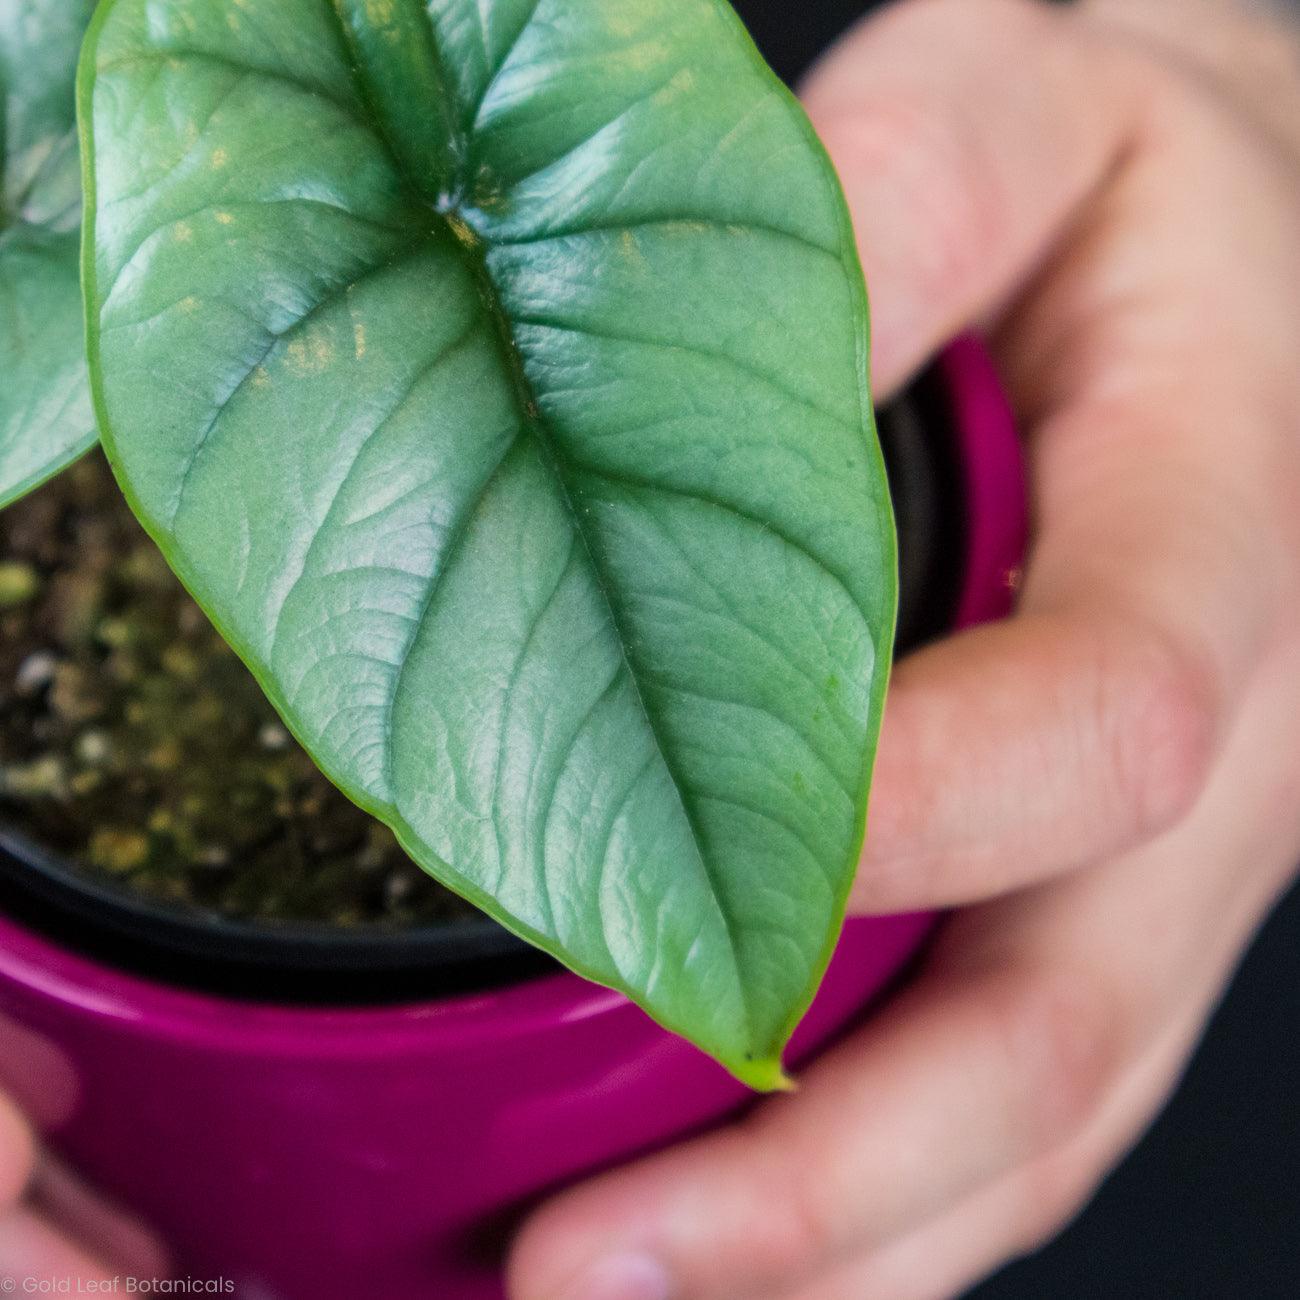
(622, 1277)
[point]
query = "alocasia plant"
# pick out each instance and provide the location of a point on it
(45, 412)
(494, 374)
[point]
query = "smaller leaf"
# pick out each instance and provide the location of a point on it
(46, 418)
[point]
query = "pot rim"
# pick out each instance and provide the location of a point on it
(993, 463)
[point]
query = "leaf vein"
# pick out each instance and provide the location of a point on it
(540, 875)
(165, 56)
(633, 483)
(746, 368)
(313, 546)
(274, 339)
(494, 74)
(450, 552)
(668, 225)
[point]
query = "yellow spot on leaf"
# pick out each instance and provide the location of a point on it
(183, 232)
(220, 157)
(310, 356)
(359, 338)
(630, 247)
(225, 218)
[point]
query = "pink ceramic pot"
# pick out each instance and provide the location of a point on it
(378, 1150)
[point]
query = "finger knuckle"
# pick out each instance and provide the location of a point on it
(1162, 724)
(1062, 1040)
(809, 1236)
(812, 1225)
(802, 1223)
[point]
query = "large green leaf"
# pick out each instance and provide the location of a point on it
(45, 410)
(494, 375)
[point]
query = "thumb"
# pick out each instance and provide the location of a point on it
(966, 134)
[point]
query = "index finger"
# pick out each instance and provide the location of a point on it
(1090, 722)
(957, 131)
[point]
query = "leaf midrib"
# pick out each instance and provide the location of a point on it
(473, 254)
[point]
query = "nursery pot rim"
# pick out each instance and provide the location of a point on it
(457, 969)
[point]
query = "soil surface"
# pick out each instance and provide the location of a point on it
(134, 741)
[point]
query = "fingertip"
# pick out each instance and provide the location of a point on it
(547, 1253)
(637, 1227)
(611, 1277)
(104, 1228)
(34, 1249)
(712, 1217)
(17, 1152)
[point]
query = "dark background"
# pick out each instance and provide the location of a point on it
(1208, 1206)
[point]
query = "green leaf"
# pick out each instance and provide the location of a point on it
(45, 411)
(494, 375)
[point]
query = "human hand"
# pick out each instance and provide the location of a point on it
(1109, 781)
(53, 1228)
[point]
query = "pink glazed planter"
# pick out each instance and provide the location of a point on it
(310, 1151)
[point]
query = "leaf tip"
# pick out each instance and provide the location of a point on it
(766, 1075)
